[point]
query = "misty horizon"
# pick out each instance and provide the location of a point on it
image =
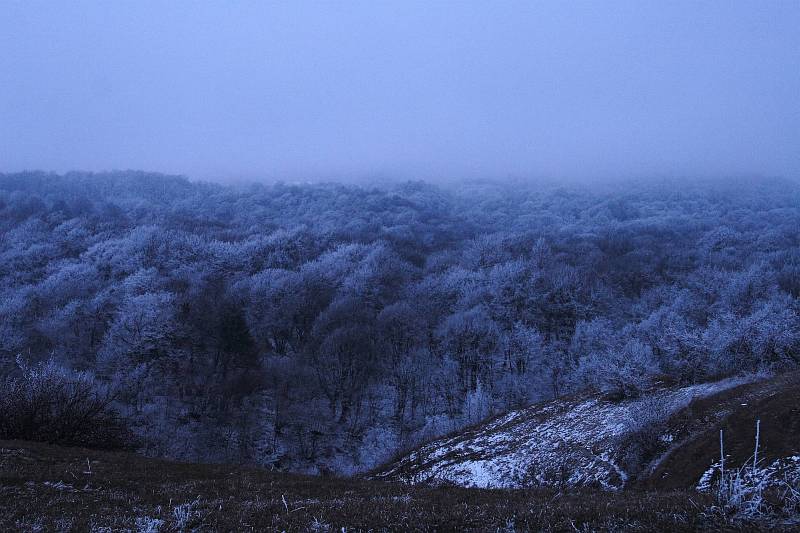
(443, 92)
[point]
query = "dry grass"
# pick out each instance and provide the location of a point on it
(50, 488)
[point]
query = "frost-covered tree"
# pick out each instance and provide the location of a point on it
(324, 326)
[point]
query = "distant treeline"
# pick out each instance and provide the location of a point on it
(325, 327)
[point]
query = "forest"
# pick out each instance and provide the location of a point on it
(324, 328)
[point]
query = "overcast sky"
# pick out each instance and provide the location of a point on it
(334, 90)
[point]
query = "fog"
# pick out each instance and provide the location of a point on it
(395, 89)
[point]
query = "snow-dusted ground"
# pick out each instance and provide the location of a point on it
(575, 442)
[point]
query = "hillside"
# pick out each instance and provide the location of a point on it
(557, 461)
(775, 402)
(326, 327)
(50, 488)
(666, 439)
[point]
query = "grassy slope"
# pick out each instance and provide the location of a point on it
(525, 439)
(49, 487)
(776, 402)
(583, 440)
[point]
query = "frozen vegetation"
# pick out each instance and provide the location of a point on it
(325, 328)
(755, 490)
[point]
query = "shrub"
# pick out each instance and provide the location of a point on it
(49, 403)
(622, 373)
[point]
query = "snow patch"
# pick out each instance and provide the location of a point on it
(572, 442)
